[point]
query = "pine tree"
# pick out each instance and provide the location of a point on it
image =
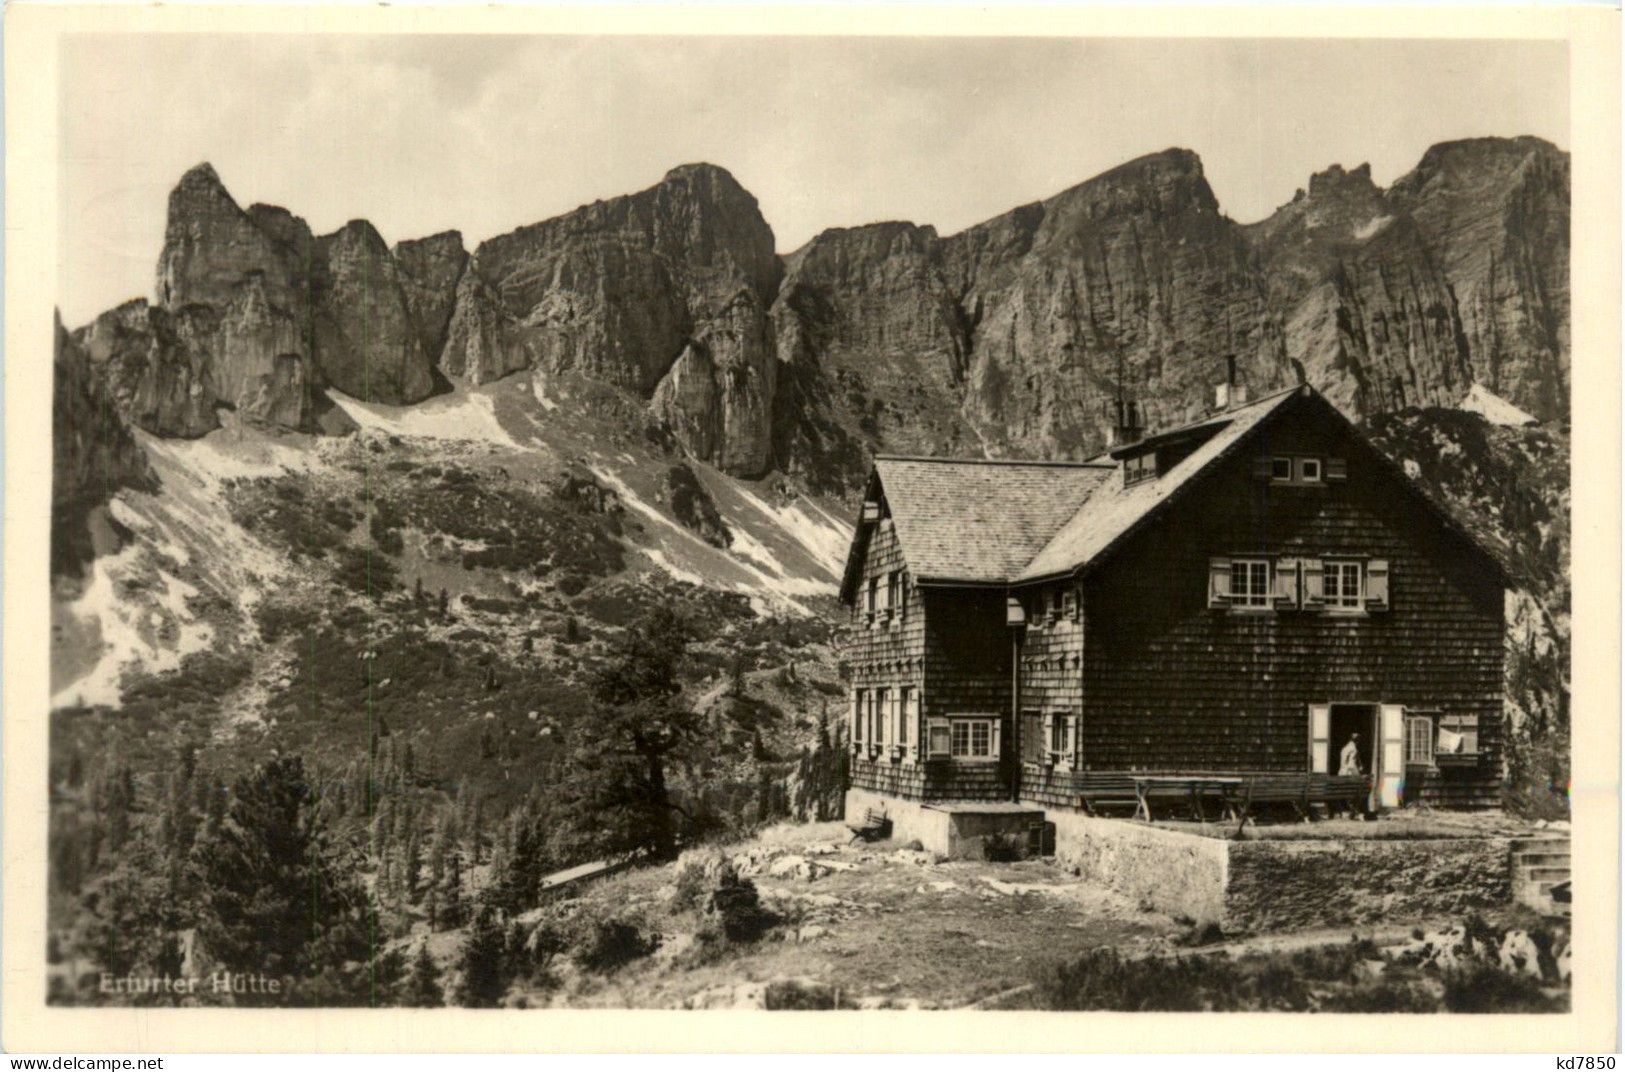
(273, 902)
(417, 593)
(423, 985)
(445, 604)
(411, 865)
(130, 923)
(483, 978)
(453, 912)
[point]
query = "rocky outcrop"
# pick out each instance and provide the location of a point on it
(692, 505)
(663, 293)
(431, 268)
(1495, 213)
(367, 343)
(1364, 304)
(93, 453)
(1011, 337)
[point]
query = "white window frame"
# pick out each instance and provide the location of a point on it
(962, 751)
(1281, 459)
(1261, 600)
(860, 715)
(879, 700)
(1419, 738)
(890, 607)
(1060, 743)
(873, 597)
(1342, 602)
(1301, 470)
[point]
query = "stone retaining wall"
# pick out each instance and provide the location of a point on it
(1288, 884)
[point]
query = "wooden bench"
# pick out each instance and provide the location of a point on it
(873, 825)
(1097, 791)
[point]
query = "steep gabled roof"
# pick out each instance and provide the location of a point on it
(1114, 509)
(997, 522)
(972, 521)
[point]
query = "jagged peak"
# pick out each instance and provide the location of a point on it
(1334, 178)
(201, 183)
(452, 237)
(699, 168)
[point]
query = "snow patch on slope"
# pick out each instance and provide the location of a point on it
(461, 415)
(1371, 227)
(810, 525)
(1494, 408)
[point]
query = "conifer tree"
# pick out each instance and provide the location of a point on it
(273, 901)
(618, 796)
(483, 979)
(423, 985)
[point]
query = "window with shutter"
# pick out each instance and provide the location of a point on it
(905, 713)
(1250, 582)
(1343, 585)
(1314, 591)
(1032, 737)
(1320, 738)
(938, 738)
(860, 715)
(880, 710)
(1376, 584)
(1218, 582)
(1286, 582)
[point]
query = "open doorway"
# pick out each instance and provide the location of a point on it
(1347, 720)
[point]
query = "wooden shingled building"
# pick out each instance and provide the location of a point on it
(1211, 614)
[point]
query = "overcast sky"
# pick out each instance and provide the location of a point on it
(483, 134)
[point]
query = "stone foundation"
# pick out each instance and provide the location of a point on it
(955, 830)
(1264, 884)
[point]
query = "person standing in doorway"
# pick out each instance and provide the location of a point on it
(1348, 763)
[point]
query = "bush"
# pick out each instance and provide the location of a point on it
(738, 908)
(606, 944)
(1486, 988)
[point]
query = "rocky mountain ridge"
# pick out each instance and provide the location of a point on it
(1011, 337)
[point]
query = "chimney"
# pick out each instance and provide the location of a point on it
(1230, 392)
(1128, 428)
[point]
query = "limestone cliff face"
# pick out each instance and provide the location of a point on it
(93, 452)
(664, 293)
(1495, 214)
(367, 343)
(1012, 337)
(1132, 277)
(1364, 303)
(151, 369)
(431, 268)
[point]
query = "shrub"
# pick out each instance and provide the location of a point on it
(738, 908)
(1486, 988)
(607, 943)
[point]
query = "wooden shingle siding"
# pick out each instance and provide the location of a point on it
(967, 672)
(889, 655)
(1173, 685)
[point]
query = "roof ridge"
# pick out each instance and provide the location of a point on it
(1056, 463)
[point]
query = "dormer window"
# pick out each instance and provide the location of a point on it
(1138, 468)
(1308, 470)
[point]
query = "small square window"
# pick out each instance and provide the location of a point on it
(1281, 469)
(1309, 470)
